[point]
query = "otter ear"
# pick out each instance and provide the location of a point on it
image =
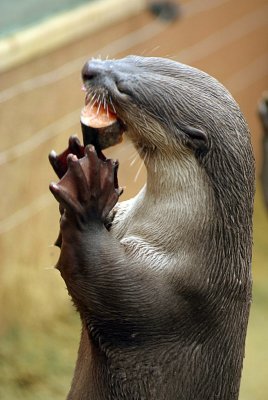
(197, 139)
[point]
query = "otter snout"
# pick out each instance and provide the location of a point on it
(94, 69)
(96, 74)
(115, 76)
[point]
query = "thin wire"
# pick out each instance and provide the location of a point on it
(250, 74)
(197, 6)
(25, 213)
(236, 30)
(50, 131)
(120, 45)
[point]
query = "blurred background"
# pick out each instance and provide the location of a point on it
(43, 46)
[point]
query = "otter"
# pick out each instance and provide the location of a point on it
(162, 281)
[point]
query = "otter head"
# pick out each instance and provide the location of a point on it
(175, 112)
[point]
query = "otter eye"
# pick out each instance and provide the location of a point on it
(123, 87)
(198, 139)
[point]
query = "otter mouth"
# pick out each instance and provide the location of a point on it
(100, 124)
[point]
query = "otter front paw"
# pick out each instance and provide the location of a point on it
(88, 191)
(59, 161)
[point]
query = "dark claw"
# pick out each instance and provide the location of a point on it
(120, 191)
(116, 165)
(58, 241)
(75, 147)
(59, 162)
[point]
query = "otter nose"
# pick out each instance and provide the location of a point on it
(96, 71)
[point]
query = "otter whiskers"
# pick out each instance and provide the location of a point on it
(140, 167)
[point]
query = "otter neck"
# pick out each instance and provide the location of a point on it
(178, 177)
(176, 198)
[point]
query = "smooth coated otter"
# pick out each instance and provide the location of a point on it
(164, 292)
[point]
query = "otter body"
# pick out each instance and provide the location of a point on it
(164, 293)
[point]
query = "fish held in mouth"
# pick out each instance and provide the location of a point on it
(96, 116)
(100, 126)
